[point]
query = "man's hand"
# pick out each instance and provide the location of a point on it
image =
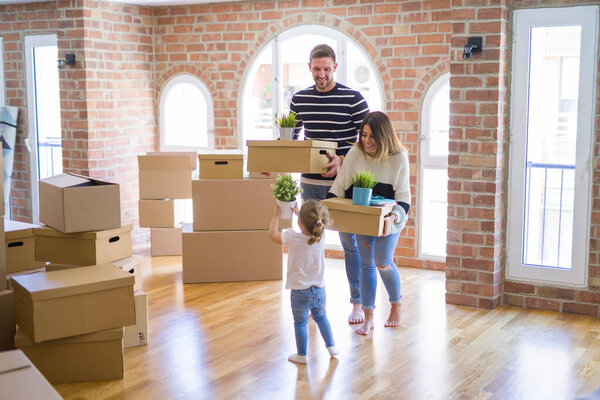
(335, 162)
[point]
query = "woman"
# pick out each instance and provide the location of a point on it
(379, 151)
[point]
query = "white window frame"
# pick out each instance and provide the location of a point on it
(427, 161)
(31, 141)
(2, 84)
(277, 84)
(187, 78)
(587, 18)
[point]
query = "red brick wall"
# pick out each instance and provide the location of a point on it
(407, 41)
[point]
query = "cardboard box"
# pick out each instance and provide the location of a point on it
(191, 155)
(226, 256)
(167, 213)
(8, 326)
(306, 156)
(19, 246)
(221, 165)
(58, 304)
(165, 241)
(95, 356)
(137, 335)
(232, 204)
(165, 176)
(75, 203)
(2, 195)
(363, 220)
(86, 248)
(129, 264)
(20, 379)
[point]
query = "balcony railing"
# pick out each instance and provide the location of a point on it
(49, 157)
(549, 215)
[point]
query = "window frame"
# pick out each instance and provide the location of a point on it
(193, 80)
(427, 161)
(523, 20)
(2, 77)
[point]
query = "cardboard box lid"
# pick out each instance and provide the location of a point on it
(12, 360)
(70, 180)
(166, 162)
(18, 229)
(128, 263)
(71, 282)
(321, 144)
(346, 205)
(22, 340)
(92, 235)
(191, 154)
(221, 155)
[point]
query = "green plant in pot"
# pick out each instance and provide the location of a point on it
(363, 185)
(285, 190)
(286, 124)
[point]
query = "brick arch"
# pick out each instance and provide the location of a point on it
(423, 84)
(183, 69)
(330, 21)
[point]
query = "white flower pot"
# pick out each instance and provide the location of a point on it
(286, 133)
(286, 209)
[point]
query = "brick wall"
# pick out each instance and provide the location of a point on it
(407, 41)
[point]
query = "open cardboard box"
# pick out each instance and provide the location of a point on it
(223, 164)
(75, 203)
(58, 304)
(85, 248)
(94, 356)
(20, 247)
(305, 156)
(349, 218)
(20, 379)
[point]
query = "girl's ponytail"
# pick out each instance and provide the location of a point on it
(314, 217)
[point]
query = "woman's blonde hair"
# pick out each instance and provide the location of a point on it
(314, 217)
(383, 134)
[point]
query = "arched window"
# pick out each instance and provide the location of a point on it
(186, 115)
(281, 69)
(433, 198)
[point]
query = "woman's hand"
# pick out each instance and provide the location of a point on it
(388, 220)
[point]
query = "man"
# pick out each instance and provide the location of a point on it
(332, 112)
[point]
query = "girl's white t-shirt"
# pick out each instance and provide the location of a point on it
(305, 262)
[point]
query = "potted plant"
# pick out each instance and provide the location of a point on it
(285, 191)
(363, 185)
(286, 124)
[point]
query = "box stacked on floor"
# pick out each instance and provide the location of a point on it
(165, 183)
(229, 239)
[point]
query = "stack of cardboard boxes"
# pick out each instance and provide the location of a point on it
(229, 238)
(7, 297)
(165, 185)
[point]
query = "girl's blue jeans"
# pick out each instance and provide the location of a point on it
(374, 252)
(312, 299)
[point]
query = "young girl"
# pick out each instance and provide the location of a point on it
(305, 266)
(379, 151)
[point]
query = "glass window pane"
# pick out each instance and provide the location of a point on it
(47, 101)
(438, 123)
(186, 116)
(434, 212)
(551, 145)
(361, 77)
(258, 99)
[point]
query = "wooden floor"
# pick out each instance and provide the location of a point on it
(231, 341)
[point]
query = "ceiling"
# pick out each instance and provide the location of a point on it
(141, 2)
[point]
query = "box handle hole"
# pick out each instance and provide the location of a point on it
(322, 151)
(114, 239)
(221, 162)
(16, 244)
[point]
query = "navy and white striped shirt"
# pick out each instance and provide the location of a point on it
(333, 116)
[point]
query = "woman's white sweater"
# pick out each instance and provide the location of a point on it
(393, 180)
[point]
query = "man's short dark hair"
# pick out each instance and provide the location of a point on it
(322, 51)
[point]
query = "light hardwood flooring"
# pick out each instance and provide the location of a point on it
(231, 341)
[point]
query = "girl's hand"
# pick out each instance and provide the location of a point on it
(276, 213)
(295, 209)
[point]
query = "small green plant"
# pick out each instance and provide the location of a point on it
(287, 121)
(365, 179)
(285, 188)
